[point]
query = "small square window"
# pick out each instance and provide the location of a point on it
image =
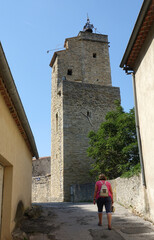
(94, 55)
(69, 72)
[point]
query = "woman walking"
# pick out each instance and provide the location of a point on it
(104, 196)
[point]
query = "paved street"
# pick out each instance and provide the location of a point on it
(67, 221)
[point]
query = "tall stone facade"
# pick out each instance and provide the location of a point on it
(82, 94)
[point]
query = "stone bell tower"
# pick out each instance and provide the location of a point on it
(82, 94)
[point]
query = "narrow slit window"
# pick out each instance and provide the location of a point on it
(56, 122)
(69, 72)
(88, 114)
(94, 55)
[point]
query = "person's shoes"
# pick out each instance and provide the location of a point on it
(99, 224)
(109, 228)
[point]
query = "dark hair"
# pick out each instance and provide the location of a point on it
(102, 177)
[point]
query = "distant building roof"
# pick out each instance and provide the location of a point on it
(42, 158)
(12, 99)
(142, 26)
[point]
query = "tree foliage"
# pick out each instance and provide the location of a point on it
(114, 146)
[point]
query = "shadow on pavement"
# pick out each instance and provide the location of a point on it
(69, 221)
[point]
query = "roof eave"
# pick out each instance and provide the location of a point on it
(135, 31)
(53, 59)
(13, 93)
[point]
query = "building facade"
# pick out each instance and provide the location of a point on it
(17, 147)
(139, 60)
(82, 94)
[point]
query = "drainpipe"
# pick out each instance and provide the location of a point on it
(138, 132)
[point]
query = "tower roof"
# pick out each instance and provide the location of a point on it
(88, 27)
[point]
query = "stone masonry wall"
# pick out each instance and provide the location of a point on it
(82, 192)
(41, 180)
(84, 109)
(41, 189)
(41, 166)
(80, 59)
(82, 94)
(129, 192)
(56, 136)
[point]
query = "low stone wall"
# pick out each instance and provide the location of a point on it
(130, 193)
(41, 188)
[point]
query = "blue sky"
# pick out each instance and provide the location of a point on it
(30, 28)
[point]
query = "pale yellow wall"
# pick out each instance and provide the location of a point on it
(17, 159)
(1, 187)
(145, 99)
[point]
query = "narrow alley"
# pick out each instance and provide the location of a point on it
(68, 221)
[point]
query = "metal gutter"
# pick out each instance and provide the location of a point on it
(6, 75)
(138, 132)
(136, 29)
(129, 70)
